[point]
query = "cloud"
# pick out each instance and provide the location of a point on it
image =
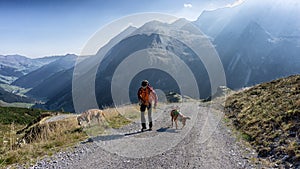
(236, 3)
(187, 5)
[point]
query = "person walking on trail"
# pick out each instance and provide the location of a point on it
(146, 96)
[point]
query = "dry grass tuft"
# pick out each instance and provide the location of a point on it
(41, 139)
(46, 138)
(113, 118)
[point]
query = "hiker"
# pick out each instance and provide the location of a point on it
(146, 96)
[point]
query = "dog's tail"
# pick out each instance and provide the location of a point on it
(188, 118)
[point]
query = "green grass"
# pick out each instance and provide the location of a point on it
(16, 104)
(246, 137)
(10, 88)
(112, 119)
(95, 130)
(22, 116)
(118, 121)
(132, 115)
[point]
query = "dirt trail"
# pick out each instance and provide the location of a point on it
(205, 142)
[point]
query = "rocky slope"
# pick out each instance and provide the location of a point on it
(268, 116)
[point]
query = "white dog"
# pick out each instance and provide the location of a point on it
(89, 115)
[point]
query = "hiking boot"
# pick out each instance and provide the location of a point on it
(150, 125)
(144, 126)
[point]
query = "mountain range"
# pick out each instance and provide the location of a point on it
(19, 73)
(253, 48)
(14, 66)
(36, 77)
(251, 42)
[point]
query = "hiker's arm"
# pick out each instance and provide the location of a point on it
(139, 96)
(155, 98)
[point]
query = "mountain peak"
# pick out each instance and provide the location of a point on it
(129, 29)
(14, 56)
(153, 27)
(255, 29)
(253, 25)
(180, 22)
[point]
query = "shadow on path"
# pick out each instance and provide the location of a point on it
(108, 137)
(120, 136)
(136, 132)
(167, 129)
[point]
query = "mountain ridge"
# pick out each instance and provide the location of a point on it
(248, 46)
(15, 66)
(135, 42)
(37, 76)
(246, 58)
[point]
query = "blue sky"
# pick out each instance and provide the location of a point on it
(37, 28)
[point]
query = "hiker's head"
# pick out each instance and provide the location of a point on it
(144, 83)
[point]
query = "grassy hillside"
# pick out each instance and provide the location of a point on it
(46, 138)
(13, 120)
(17, 104)
(19, 116)
(10, 97)
(268, 116)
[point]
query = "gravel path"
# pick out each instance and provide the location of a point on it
(205, 142)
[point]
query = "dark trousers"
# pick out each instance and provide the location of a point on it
(143, 119)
